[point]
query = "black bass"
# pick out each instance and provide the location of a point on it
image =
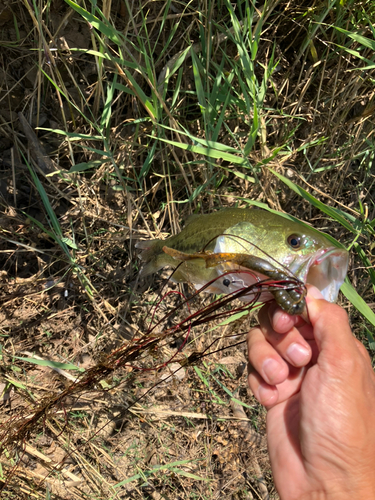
(274, 243)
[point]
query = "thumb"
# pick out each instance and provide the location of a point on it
(330, 324)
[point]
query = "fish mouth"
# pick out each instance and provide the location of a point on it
(327, 270)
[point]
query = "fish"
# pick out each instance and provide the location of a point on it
(235, 248)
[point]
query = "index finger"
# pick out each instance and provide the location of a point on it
(282, 322)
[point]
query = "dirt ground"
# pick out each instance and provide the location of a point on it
(89, 407)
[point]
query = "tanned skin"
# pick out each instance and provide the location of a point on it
(318, 385)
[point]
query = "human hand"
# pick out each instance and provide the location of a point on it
(318, 386)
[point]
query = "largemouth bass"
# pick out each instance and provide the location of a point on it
(213, 248)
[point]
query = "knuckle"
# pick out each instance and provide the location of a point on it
(253, 334)
(334, 313)
(339, 313)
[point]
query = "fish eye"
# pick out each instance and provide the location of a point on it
(295, 241)
(226, 282)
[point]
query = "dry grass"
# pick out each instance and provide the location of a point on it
(74, 202)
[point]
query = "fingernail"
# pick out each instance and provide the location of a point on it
(271, 369)
(315, 293)
(298, 354)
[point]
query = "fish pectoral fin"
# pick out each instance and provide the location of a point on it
(182, 256)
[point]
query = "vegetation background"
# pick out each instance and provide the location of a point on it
(118, 120)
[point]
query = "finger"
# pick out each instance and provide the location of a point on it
(270, 395)
(332, 331)
(281, 321)
(291, 345)
(264, 358)
(266, 394)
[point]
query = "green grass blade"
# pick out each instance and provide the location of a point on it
(362, 40)
(205, 381)
(141, 95)
(229, 392)
(220, 121)
(335, 213)
(207, 143)
(103, 28)
(177, 63)
(106, 115)
(177, 89)
(73, 136)
(210, 152)
(51, 364)
(119, 60)
(253, 133)
(240, 175)
(147, 164)
(357, 301)
(81, 167)
(52, 219)
(199, 87)
(355, 53)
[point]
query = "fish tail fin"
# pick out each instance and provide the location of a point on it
(152, 255)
